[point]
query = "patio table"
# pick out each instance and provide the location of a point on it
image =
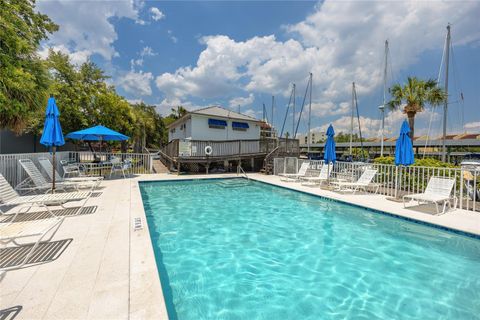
(96, 168)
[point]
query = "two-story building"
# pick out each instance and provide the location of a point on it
(215, 124)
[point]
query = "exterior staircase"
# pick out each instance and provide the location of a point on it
(159, 167)
(268, 161)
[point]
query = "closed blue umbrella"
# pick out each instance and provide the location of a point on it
(52, 135)
(403, 147)
(329, 154)
(403, 151)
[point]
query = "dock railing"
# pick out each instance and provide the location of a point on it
(13, 172)
(397, 181)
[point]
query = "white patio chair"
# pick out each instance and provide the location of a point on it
(82, 181)
(119, 166)
(293, 177)
(10, 198)
(438, 191)
(37, 182)
(70, 169)
(363, 183)
(12, 232)
(321, 177)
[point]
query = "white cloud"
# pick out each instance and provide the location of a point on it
(472, 127)
(136, 83)
(77, 57)
(165, 106)
(172, 37)
(336, 48)
(371, 127)
(146, 52)
(241, 101)
(157, 14)
(85, 26)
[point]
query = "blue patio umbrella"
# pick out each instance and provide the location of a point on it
(52, 135)
(329, 149)
(329, 153)
(97, 133)
(403, 151)
(403, 147)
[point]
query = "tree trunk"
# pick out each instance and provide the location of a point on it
(411, 123)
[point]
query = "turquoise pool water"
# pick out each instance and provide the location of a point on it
(227, 249)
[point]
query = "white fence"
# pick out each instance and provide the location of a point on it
(13, 172)
(398, 181)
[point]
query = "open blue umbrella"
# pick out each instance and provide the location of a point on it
(329, 154)
(52, 135)
(403, 147)
(97, 133)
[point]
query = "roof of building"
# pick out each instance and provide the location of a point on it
(216, 111)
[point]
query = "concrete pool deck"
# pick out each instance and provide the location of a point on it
(108, 271)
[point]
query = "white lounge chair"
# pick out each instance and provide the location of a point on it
(82, 181)
(37, 182)
(438, 191)
(10, 198)
(12, 232)
(362, 183)
(322, 176)
(293, 177)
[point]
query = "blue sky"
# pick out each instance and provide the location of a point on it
(199, 53)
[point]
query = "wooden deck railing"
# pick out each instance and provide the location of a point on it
(185, 148)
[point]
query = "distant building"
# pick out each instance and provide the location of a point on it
(215, 123)
(315, 137)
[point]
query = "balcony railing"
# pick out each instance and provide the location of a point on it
(187, 148)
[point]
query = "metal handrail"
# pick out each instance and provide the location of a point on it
(240, 170)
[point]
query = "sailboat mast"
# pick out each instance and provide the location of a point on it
(309, 116)
(273, 103)
(351, 117)
(382, 108)
(445, 106)
(293, 123)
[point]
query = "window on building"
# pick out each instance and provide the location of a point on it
(217, 123)
(240, 126)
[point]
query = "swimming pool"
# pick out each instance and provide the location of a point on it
(232, 249)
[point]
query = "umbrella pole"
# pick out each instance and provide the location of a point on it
(54, 164)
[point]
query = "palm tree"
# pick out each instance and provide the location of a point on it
(178, 112)
(414, 95)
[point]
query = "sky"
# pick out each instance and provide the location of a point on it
(237, 54)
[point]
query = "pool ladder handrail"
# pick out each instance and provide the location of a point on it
(240, 170)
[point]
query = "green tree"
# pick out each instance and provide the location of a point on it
(23, 76)
(415, 94)
(345, 137)
(150, 127)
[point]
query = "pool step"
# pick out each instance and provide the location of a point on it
(234, 184)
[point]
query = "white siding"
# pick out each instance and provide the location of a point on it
(201, 130)
(180, 132)
(196, 128)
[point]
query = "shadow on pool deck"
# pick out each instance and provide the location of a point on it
(45, 252)
(10, 313)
